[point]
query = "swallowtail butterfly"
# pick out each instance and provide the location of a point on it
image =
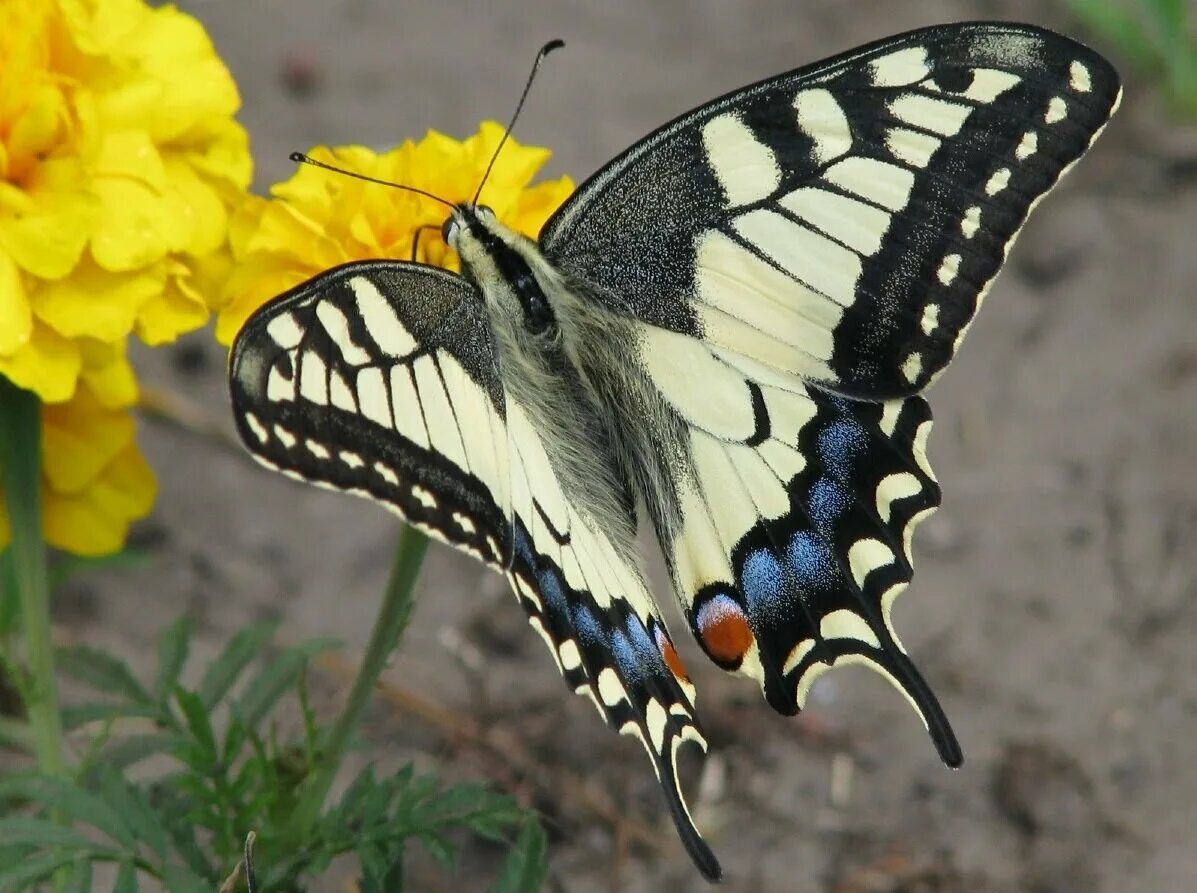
(725, 333)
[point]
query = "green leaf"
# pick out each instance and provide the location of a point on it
(440, 849)
(173, 646)
(133, 805)
(180, 879)
(276, 678)
(527, 864)
(128, 751)
(53, 793)
(222, 674)
(79, 878)
(9, 603)
(199, 725)
(126, 879)
(102, 671)
(36, 832)
(34, 868)
(81, 714)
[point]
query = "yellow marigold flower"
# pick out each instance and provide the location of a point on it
(119, 163)
(319, 219)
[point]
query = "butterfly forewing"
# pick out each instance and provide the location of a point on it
(381, 379)
(843, 221)
(336, 383)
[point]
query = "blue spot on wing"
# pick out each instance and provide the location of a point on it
(825, 503)
(811, 561)
(626, 657)
(643, 643)
(761, 580)
(550, 588)
(838, 444)
(590, 631)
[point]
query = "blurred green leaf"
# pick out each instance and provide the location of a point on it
(273, 681)
(526, 864)
(102, 672)
(173, 645)
(222, 674)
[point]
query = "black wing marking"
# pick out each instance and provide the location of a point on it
(843, 221)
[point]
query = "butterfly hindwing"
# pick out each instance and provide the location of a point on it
(842, 222)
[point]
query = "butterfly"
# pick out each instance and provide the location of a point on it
(725, 334)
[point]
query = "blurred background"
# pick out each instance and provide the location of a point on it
(1055, 607)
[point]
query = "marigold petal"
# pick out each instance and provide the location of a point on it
(79, 438)
(184, 304)
(48, 365)
(249, 287)
(132, 230)
(537, 204)
(95, 521)
(197, 206)
(48, 241)
(16, 318)
(93, 302)
(36, 129)
(108, 374)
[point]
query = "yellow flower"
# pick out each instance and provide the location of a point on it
(319, 219)
(119, 163)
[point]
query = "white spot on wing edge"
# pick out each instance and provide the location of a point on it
(1057, 110)
(894, 487)
(258, 429)
(317, 449)
(1027, 145)
(1078, 77)
(352, 459)
(865, 556)
(745, 167)
(913, 366)
(930, 319)
(845, 624)
(571, 658)
(971, 222)
(610, 688)
(655, 718)
(286, 438)
(948, 269)
(998, 181)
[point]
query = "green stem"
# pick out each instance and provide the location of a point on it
(20, 464)
(392, 619)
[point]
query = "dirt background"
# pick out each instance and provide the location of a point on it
(1055, 607)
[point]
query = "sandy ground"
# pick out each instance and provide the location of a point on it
(1055, 606)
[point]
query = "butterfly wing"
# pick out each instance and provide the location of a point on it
(805, 256)
(381, 379)
(842, 222)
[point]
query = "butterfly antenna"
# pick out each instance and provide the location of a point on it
(544, 51)
(300, 158)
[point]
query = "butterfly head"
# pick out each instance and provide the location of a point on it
(507, 268)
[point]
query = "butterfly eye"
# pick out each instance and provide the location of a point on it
(485, 211)
(449, 230)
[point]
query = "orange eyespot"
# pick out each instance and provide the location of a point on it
(669, 654)
(723, 630)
